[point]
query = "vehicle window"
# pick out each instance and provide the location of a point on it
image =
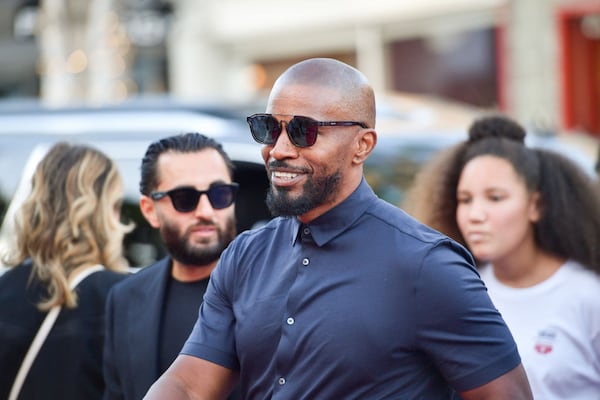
(391, 168)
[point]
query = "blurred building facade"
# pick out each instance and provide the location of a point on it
(538, 60)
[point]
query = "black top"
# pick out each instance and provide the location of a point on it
(180, 310)
(69, 364)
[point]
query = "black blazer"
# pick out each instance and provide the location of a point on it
(133, 318)
(133, 312)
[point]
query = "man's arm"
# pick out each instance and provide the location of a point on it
(193, 378)
(511, 386)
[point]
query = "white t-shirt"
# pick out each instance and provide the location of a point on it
(556, 325)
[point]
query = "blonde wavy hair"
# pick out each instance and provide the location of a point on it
(70, 220)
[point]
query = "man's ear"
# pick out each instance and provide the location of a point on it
(366, 143)
(149, 211)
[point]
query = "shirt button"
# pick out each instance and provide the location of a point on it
(306, 231)
(281, 381)
(305, 262)
(290, 321)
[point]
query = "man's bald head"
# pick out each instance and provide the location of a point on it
(356, 94)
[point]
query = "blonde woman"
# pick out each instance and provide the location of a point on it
(69, 223)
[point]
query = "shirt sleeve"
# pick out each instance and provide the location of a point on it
(458, 325)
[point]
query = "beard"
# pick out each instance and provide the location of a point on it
(181, 249)
(315, 193)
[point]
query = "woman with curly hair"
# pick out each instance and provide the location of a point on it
(68, 226)
(531, 218)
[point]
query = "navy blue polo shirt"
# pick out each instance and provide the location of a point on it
(362, 303)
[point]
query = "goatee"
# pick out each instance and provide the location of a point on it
(315, 193)
(180, 248)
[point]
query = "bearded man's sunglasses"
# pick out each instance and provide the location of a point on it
(185, 199)
(302, 131)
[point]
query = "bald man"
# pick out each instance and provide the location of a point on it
(342, 296)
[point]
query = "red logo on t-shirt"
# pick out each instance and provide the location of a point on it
(543, 348)
(545, 341)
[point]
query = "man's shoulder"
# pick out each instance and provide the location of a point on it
(396, 219)
(272, 227)
(147, 274)
(276, 231)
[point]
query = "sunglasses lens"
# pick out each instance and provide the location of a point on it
(184, 199)
(265, 129)
(221, 196)
(303, 131)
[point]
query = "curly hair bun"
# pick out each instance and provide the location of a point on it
(496, 126)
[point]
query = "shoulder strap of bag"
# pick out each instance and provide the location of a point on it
(42, 333)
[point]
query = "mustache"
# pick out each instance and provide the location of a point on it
(203, 222)
(278, 164)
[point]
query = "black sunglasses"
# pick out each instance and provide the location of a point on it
(302, 131)
(185, 199)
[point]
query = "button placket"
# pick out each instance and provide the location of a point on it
(290, 332)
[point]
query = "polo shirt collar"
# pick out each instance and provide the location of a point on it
(335, 221)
